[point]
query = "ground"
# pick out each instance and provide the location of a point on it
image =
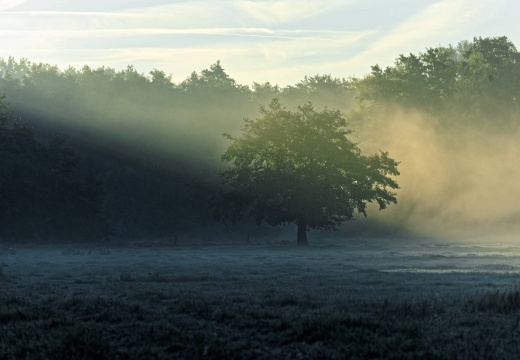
(369, 298)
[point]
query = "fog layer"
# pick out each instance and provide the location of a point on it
(459, 182)
(449, 115)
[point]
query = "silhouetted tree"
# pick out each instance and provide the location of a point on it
(40, 194)
(3, 112)
(300, 167)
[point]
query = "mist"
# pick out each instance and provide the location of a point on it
(110, 247)
(154, 144)
(149, 116)
(448, 115)
(455, 182)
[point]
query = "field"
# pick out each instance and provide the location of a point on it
(361, 299)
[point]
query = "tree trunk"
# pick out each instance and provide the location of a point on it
(302, 234)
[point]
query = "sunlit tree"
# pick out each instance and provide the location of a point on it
(300, 167)
(476, 82)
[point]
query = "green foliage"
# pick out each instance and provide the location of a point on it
(40, 193)
(215, 77)
(473, 83)
(300, 167)
(154, 143)
(324, 90)
(3, 112)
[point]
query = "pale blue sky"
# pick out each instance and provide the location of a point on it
(256, 40)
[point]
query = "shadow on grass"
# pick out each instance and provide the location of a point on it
(283, 327)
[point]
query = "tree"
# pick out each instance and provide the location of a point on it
(41, 195)
(4, 116)
(214, 78)
(476, 83)
(300, 167)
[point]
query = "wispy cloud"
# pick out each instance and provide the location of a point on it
(257, 40)
(282, 57)
(8, 4)
(445, 19)
(273, 12)
(186, 14)
(227, 31)
(296, 34)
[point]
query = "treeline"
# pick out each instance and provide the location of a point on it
(475, 84)
(154, 145)
(41, 194)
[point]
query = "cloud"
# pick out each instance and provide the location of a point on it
(292, 36)
(444, 20)
(283, 57)
(193, 14)
(272, 12)
(8, 4)
(240, 32)
(153, 36)
(173, 16)
(202, 13)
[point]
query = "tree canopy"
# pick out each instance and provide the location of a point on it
(41, 195)
(475, 83)
(155, 143)
(300, 167)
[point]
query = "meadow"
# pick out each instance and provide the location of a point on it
(361, 299)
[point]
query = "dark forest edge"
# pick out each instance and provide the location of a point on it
(142, 152)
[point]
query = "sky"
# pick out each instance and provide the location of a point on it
(256, 40)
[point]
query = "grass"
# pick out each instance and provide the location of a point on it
(235, 307)
(503, 302)
(196, 327)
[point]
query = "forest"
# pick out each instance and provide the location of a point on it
(93, 154)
